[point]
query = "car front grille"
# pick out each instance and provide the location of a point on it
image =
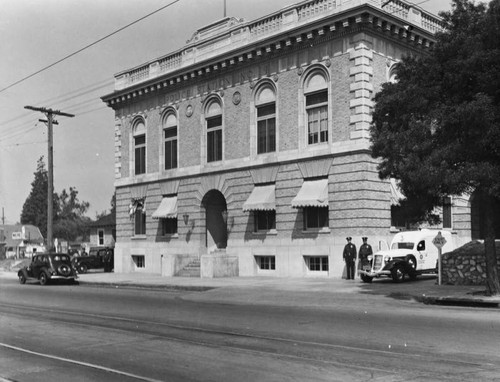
(377, 262)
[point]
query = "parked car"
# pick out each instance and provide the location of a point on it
(412, 253)
(45, 267)
(98, 257)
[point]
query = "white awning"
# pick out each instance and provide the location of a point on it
(167, 208)
(262, 198)
(313, 193)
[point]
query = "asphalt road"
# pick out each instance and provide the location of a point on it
(62, 332)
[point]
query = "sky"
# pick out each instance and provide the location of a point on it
(37, 33)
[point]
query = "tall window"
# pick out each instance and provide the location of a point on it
(168, 226)
(100, 236)
(264, 220)
(140, 147)
(266, 120)
(316, 99)
(170, 136)
(315, 217)
(140, 221)
(447, 215)
(213, 120)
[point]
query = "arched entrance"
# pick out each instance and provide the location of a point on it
(215, 219)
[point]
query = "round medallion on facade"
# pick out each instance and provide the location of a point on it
(189, 111)
(275, 78)
(236, 98)
(300, 71)
(328, 62)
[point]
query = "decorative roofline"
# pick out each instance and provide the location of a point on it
(232, 41)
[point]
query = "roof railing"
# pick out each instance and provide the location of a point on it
(230, 33)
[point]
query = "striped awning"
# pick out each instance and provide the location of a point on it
(313, 193)
(262, 198)
(167, 208)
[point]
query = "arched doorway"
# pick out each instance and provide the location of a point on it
(215, 219)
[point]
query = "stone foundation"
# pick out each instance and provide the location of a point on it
(466, 265)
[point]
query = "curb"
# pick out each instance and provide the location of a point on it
(174, 288)
(459, 301)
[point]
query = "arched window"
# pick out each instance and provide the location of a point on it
(139, 133)
(213, 121)
(169, 124)
(265, 104)
(316, 103)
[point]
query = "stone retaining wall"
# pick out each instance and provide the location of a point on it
(466, 265)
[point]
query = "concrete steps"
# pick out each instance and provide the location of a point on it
(193, 269)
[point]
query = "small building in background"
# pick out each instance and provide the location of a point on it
(22, 241)
(103, 231)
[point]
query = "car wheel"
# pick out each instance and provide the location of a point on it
(82, 268)
(366, 279)
(22, 279)
(398, 273)
(43, 278)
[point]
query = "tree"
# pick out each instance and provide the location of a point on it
(437, 129)
(70, 221)
(68, 211)
(35, 207)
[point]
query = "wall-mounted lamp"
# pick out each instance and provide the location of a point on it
(185, 218)
(224, 216)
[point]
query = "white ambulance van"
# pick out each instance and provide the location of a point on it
(411, 253)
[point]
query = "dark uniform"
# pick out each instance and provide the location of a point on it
(364, 251)
(350, 258)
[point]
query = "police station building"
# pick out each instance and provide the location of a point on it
(247, 152)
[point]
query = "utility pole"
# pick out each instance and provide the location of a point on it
(49, 113)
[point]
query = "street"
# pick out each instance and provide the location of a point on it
(71, 332)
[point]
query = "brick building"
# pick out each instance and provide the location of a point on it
(247, 151)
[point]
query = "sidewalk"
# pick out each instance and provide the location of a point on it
(311, 291)
(292, 291)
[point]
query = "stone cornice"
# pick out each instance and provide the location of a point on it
(298, 35)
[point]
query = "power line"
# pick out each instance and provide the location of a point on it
(88, 46)
(23, 144)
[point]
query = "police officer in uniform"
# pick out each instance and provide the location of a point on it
(364, 251)
(350, 258)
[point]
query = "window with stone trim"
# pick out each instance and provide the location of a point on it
(447, 213)
(264, 220)
(265, 104)
(316, 107)
(170, 140)
(140, 220)
(317, 263)
(139, 146)
(169, 226)
(213, 120)
(315, 218)
(139, 261)
(266, 262)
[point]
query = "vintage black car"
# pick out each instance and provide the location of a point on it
(98, 257)
(45, 267)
